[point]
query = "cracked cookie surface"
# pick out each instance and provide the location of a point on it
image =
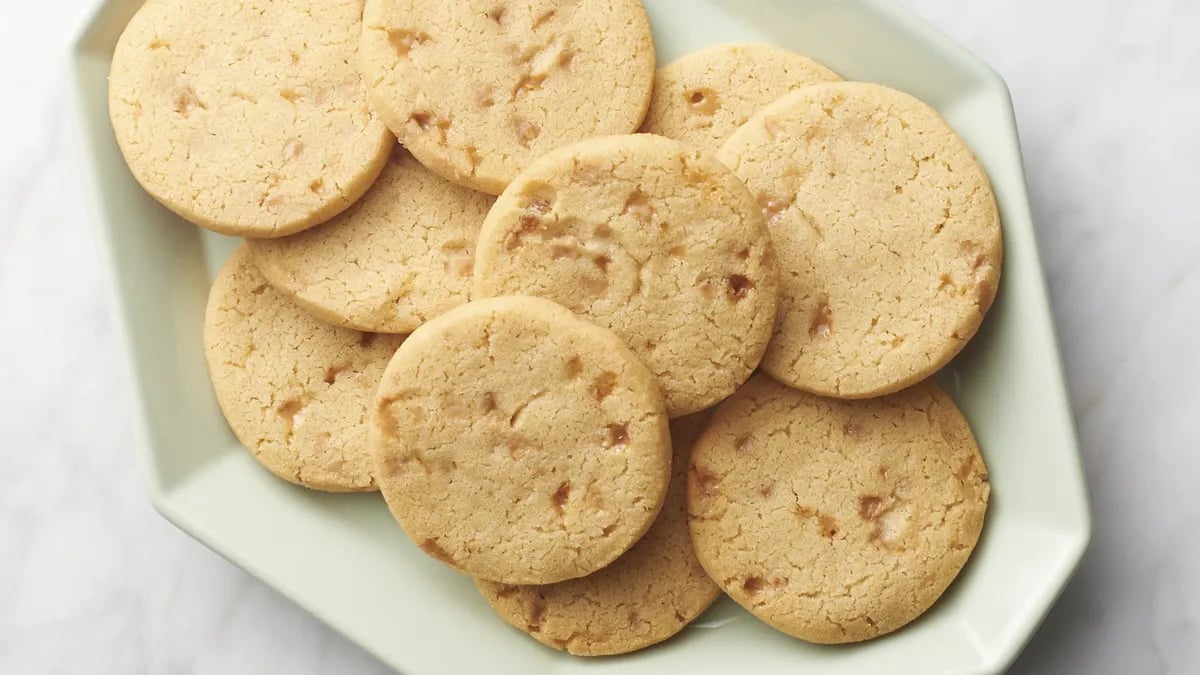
(519, 443)
(295, 391)
(651, 238)
(647, 595)
(476, 89)
(836, 521)
(400, 256)
(887, 232)
(703, 97)
(247, 117)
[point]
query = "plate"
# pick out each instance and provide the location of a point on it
(346, 561)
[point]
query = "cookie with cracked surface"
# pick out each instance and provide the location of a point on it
(887, 232)
(296, 392)
(476, 90)
(649, 237)
(644, 597)
(402, 255)
(518, 443)
(836, 521)
(247, 117)
(703, 97)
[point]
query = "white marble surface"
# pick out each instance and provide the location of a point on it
(1108, 97)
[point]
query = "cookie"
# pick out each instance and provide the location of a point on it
(477, 90)
(645, 597)
(399, 257)
(703, 97)
(296, 392)
(519, 443)
(651, 238)
(836, 521)
(887, 232)
(247, 117)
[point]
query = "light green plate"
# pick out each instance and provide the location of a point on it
(343, 558)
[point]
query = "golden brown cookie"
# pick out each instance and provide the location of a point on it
(887, 233)
(477, 90)
(652, 238)
(247, 117)
(518, 443)
(836, 521)
(295, 391)
(643, 598)
(703, 97)
(399, 257)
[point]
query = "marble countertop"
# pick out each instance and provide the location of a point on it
(1109, 107)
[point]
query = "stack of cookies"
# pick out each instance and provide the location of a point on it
(609, 375)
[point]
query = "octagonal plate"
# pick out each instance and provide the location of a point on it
(345, 560)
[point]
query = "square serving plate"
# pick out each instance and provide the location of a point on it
(346, 561)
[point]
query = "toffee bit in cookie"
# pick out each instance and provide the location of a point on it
(293, 149)
(604, 385)
(753, 585)
(773, 128)
(433, 548)
(828, 525)
(473, 157)
(544, 18)
(574, 367)
(739, 287)
(332, 372)
(528, 83)
(703, 101)
(706, 482)
(291, 408)
(489, 403)
(638, 206)
(618, 436)
(186, 101)
(869, 507)
(403, 40)
(560, 496)
(527, 132)
(421, 119)
(822, 321)
(485, 97)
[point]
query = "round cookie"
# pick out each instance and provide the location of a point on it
(651, 238)
(703, 97)
(641, 599)
(519, 443)
(478, 90)
(836, 521)
(247, 117)
(296, 392)
(887, 233)
(400, 256)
